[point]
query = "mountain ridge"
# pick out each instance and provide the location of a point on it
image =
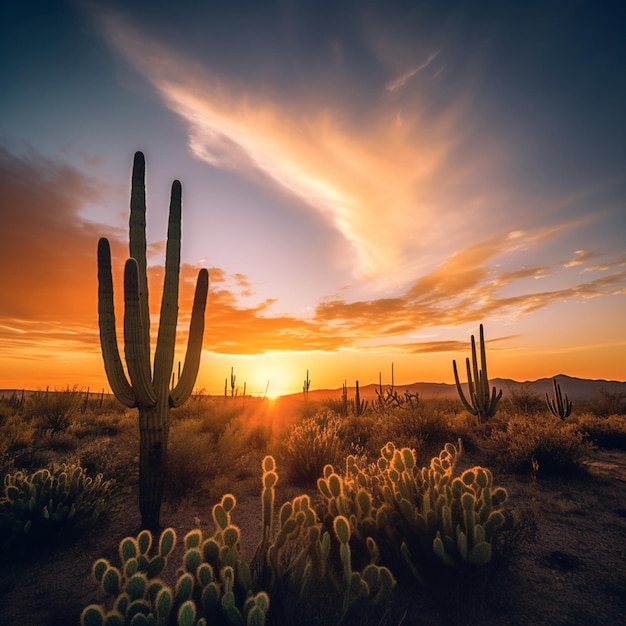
(577, 389)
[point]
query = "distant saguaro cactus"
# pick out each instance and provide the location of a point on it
(149, 389)
(559, 407)
(480, 402)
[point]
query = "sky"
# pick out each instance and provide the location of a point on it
(366, 182)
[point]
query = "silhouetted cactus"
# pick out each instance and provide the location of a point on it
(233, 379)
(480, 402)
(360, 406)
(559, 407)
(149, 388)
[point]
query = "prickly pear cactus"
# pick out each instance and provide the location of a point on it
(49, 503)
(415, 517)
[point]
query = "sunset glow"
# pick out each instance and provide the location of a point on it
(365, 184)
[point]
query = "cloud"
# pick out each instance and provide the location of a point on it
(619, 261)
(399, 82)
(580, 258)
(384, 179)
(48, 254)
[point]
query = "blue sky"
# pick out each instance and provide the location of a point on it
(366, 181)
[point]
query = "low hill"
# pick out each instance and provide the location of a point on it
(577, 389)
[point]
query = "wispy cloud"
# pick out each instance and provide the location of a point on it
(619, 261)
(580, 258)
(399, 82)
(463, 290)
(384, 182)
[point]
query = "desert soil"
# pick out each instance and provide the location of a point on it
(570, 568)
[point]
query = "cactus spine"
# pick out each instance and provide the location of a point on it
(149, 388)
(559, 407)
(480, 402)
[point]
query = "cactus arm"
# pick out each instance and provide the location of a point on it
(166, 340)
(495, 398)
(106, 322)
(137, 238)
(135, 350)
(483, 359)
(187, 379)
(466, 404)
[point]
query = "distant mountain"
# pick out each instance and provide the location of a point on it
(577, 389)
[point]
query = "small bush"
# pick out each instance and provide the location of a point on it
(425, 424)
(104, 424)
(53, 411)
(523, 401)
(192, 458)
(367, 432)
(37, 509)
(610, 403)
(543, 445)
(605, 432)
(310, 445)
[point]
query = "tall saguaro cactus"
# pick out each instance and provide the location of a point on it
(148, 387)
(480, 403)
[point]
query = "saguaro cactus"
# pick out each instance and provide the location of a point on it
(559, 407)
(482, 404)
(149, 387)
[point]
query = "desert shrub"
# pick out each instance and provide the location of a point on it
(15, 433)
(53, 411)
(366, 432)
(214, 413)
(310, 445)
(337, 405)
(522, 400)
(39, 508)
(609, 403)
(63, 442)
(192, 458)
(423, 423)
(102, 424)
(240, 436)
(540, 444)
(604, 432)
